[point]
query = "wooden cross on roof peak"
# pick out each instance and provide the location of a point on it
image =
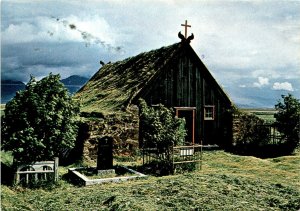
(185, 28)
(185, 38)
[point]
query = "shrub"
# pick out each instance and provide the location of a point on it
(39, 121)
(160, 128)
(250, 130)
(251, 137)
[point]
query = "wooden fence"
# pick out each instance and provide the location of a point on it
(43, 170)
(187, 154)
(274, 136)
(179, 155)
(150, 154)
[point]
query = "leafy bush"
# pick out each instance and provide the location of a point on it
(250, 130)
(160, 128)
(39, 121)
(251, 137)
(288, 120)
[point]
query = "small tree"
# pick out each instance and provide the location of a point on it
(160, 128)
(39, 121)
(288, 120)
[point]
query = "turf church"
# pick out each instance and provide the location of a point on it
(174, 76)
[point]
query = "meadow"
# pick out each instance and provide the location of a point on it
(226, 182)
(265, 114)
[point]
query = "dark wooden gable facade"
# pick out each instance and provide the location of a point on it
(185, 84)
(174, 76)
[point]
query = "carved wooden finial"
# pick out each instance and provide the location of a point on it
(185, 38)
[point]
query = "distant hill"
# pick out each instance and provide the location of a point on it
(9, 89)
(12, 82)
(74, 80)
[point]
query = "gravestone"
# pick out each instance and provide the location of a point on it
(105, 155)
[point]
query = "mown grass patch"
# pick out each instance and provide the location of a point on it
(226, 182)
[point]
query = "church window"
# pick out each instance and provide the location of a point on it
(209, 112)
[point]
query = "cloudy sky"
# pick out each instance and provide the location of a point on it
(252, 48)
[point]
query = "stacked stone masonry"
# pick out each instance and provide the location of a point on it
(123, 129)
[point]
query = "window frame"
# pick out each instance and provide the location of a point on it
(193, 109)
(212, 112)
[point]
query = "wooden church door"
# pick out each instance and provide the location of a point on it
(189, 114)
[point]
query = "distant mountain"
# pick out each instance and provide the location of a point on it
(74, 80)
(9, 89)
(12, 82)
(74, 83)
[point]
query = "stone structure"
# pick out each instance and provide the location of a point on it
(122, 129)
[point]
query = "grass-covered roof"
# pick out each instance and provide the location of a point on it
(113, 87)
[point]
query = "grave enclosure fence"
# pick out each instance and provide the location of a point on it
(38, 171)
(178, 155)
(274, 136)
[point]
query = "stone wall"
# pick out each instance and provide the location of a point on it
(123, 128)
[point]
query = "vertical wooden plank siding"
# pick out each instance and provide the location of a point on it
(193, 137)
(191, 85)
(198, 99)
(184, 84)
(170, 88)
(178, 82)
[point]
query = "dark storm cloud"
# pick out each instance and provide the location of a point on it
(88, 37)
(39, 59)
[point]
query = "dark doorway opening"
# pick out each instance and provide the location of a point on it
(189, 114)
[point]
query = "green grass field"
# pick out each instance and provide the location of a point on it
(265, 114)
(226, 182)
